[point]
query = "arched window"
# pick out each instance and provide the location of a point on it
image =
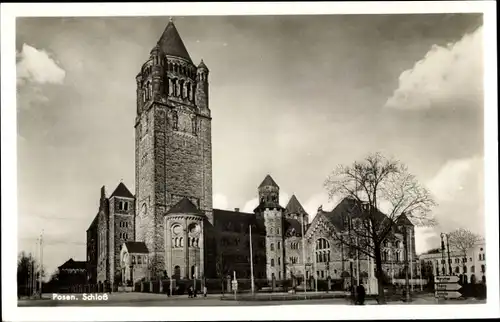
(150, 90)
(181, 241)
(465, 269)
(472, 269)
(272, 262)
(483, 268)
(175, 120)
(457, 270)
(272, 246)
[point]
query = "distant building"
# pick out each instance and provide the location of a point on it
(112, 226)
(169, 227)
(471, 265)
(72, 273)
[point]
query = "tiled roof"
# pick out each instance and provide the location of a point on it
(268, 181)
(136, 247)
(171, 43)
(122, 191)
(235, 219)
(348, 207)
(403, 220)
(72, 264)
(293, 225)
(184, 206)
(294, 207)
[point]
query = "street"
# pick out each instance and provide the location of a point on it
(151, 299)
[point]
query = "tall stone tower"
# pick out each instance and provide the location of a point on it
(173, 148)
(270, 209)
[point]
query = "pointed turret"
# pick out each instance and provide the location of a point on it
(171, 43)
(404, 221)
(122, 191)
(268, 182)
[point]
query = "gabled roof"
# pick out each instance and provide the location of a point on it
(72, 264)
(171, 43)
(122, 191)
(294, 207)
(136, 247)
(348, 207)
(222, 218)
(268, 181)
(403, 220)
(184, 206)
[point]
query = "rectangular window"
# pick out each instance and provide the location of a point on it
(139, 260)
(279, 245)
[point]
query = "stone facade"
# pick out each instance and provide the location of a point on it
(173, 141)
(170, 221)
(112, 226)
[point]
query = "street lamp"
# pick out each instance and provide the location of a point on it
(448, 247)
(442, 254)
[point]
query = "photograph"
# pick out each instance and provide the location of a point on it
(250, 161)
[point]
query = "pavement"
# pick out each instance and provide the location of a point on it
(152, 299)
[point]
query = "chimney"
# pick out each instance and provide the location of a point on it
(103, 192)
(237, 209)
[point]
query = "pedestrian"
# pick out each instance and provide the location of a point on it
(204, 291)
(190, 293)
(361, 294)
(194, 292)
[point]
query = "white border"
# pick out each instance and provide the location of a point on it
(9, 167)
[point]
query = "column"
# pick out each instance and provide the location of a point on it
(186, 249)
(168, 248)
(202, 252)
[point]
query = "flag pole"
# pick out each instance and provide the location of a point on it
(304, 257)
(41, 263)
(251, 261)
(411, 261)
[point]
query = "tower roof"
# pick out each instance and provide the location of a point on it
(403, 220)
(122, 191)
(171, 43)
(294, 206)
(268, 181)
(202, 65)
(184, 206)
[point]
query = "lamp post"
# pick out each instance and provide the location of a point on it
(442, 254)
(448, 247)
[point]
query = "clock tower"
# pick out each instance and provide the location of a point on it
(173, 152)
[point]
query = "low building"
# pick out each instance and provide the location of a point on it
(133, 262)
(472, 265)
(71, 273)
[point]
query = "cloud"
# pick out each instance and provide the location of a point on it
(447, 77)
(36, 66)
(458, 189)
(220, 201)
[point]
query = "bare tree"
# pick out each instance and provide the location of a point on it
(367, 184)
(463, 240)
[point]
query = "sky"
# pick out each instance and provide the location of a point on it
(291, 96)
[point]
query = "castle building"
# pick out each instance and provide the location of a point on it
(169, 226)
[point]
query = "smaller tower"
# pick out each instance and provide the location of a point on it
(157, 63)
(270, 209)
(201, 95)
